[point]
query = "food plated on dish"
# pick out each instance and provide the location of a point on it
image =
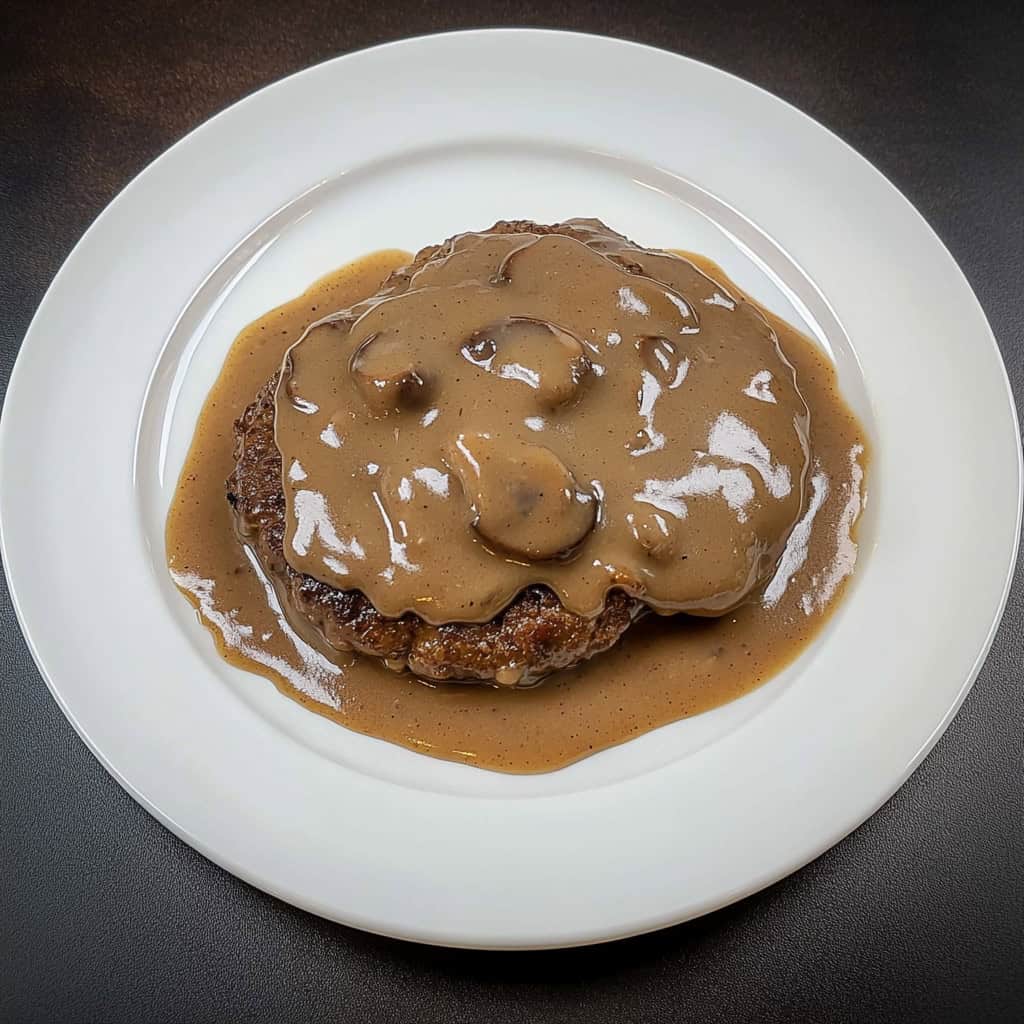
(534, 491)
(725, 797)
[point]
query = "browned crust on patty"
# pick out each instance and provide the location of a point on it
(533, 636)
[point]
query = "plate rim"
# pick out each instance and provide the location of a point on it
(267, 884)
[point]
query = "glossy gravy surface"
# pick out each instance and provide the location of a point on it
(557, 409)
(663, 669)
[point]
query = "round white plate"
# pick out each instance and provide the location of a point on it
(400, 146)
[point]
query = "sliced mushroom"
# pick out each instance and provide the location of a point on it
(656, 533)
(388, 376)
(536, 353)
(524, 500)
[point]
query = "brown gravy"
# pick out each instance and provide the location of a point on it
(556, 409)
(663, 669)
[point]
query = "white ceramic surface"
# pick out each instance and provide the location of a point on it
(400, 146)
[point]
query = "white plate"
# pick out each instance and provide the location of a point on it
(400, 146)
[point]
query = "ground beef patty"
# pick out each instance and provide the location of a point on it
(533, 636)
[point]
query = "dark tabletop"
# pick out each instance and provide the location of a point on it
(919, 915)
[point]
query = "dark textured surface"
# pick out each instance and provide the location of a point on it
(919, 915)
